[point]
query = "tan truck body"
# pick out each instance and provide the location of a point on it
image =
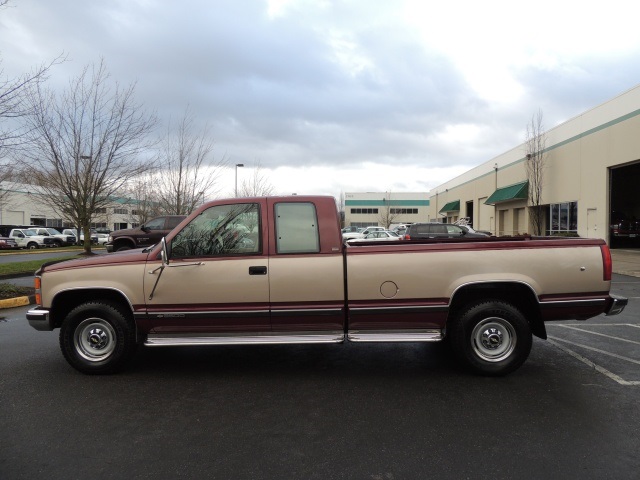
(261, 291)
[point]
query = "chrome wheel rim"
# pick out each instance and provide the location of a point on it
(493, 339)
(95, 339)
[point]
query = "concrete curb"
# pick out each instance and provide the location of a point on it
(17, 301)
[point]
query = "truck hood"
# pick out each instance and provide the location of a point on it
(139, 255)
(128, 231)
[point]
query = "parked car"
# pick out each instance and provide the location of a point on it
(362, 233)
(469, 229)
(143, 236)
(103, 238)
(623, 229)
(26, 238)
(7, 243)
(60, 239)
(69, 231)
(438, 230)
(383, 236)
(400, 229)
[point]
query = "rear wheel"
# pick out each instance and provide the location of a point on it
(491, 338)
(97, 338)
(32, 246)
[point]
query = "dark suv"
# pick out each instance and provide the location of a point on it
(438, 230)
(143, 236)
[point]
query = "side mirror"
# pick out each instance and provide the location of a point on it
(164, 254)
(145, 229)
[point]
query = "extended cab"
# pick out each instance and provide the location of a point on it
(143, 236)
(276, 270)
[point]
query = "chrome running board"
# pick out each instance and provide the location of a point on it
(268, 338)
(395, 336)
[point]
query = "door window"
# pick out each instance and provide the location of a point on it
(220, 230)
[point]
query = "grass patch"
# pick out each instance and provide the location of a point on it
(8, 290)
(28, 267)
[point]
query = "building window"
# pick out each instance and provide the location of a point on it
(404, 211)
(364, 211)
(54, 222)
(121, 211)
(101, 210)
(563, 218)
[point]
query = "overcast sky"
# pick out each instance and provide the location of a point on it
(343, 96)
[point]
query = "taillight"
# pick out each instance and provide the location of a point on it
(407, 236)
(37, 283)
(607, 263)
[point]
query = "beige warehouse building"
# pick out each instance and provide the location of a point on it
(592, 175)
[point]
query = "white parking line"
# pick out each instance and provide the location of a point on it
(597, 325)
(620, 357)
(600, 369)
(599, 334)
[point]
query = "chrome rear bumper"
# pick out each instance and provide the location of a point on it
(617, 305)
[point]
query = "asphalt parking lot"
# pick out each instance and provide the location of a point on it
(610, 345)
(381, 412)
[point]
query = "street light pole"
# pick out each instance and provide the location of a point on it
(238, 165)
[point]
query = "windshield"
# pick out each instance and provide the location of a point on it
(53, 231)
(29, 233)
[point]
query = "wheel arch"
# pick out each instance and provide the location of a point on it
(519, 294)
(67, 300)
(123, 242)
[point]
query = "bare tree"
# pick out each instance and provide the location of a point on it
(386, 215)
(187, 171)
(258, 185)
(535, 145)
(13, 107)
(341, 202)
(143, 199)
(86, 143)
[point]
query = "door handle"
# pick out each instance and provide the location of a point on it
(258, 270)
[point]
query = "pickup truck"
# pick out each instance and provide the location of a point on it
(275, 270)
(26, 238)
(60, 239)
(143, 236)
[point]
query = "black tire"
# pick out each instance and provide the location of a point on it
(32, 246)
(97, 338)
(491, 338)
(123, 248)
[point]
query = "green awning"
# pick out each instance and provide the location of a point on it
(451, 207)
(519, 191)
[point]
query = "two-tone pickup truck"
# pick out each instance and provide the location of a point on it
(275, 270)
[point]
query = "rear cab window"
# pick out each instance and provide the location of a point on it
(296, 227)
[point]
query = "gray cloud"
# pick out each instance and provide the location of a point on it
(325, 83)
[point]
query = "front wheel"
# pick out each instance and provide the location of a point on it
(492, 338)
(97, 338)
